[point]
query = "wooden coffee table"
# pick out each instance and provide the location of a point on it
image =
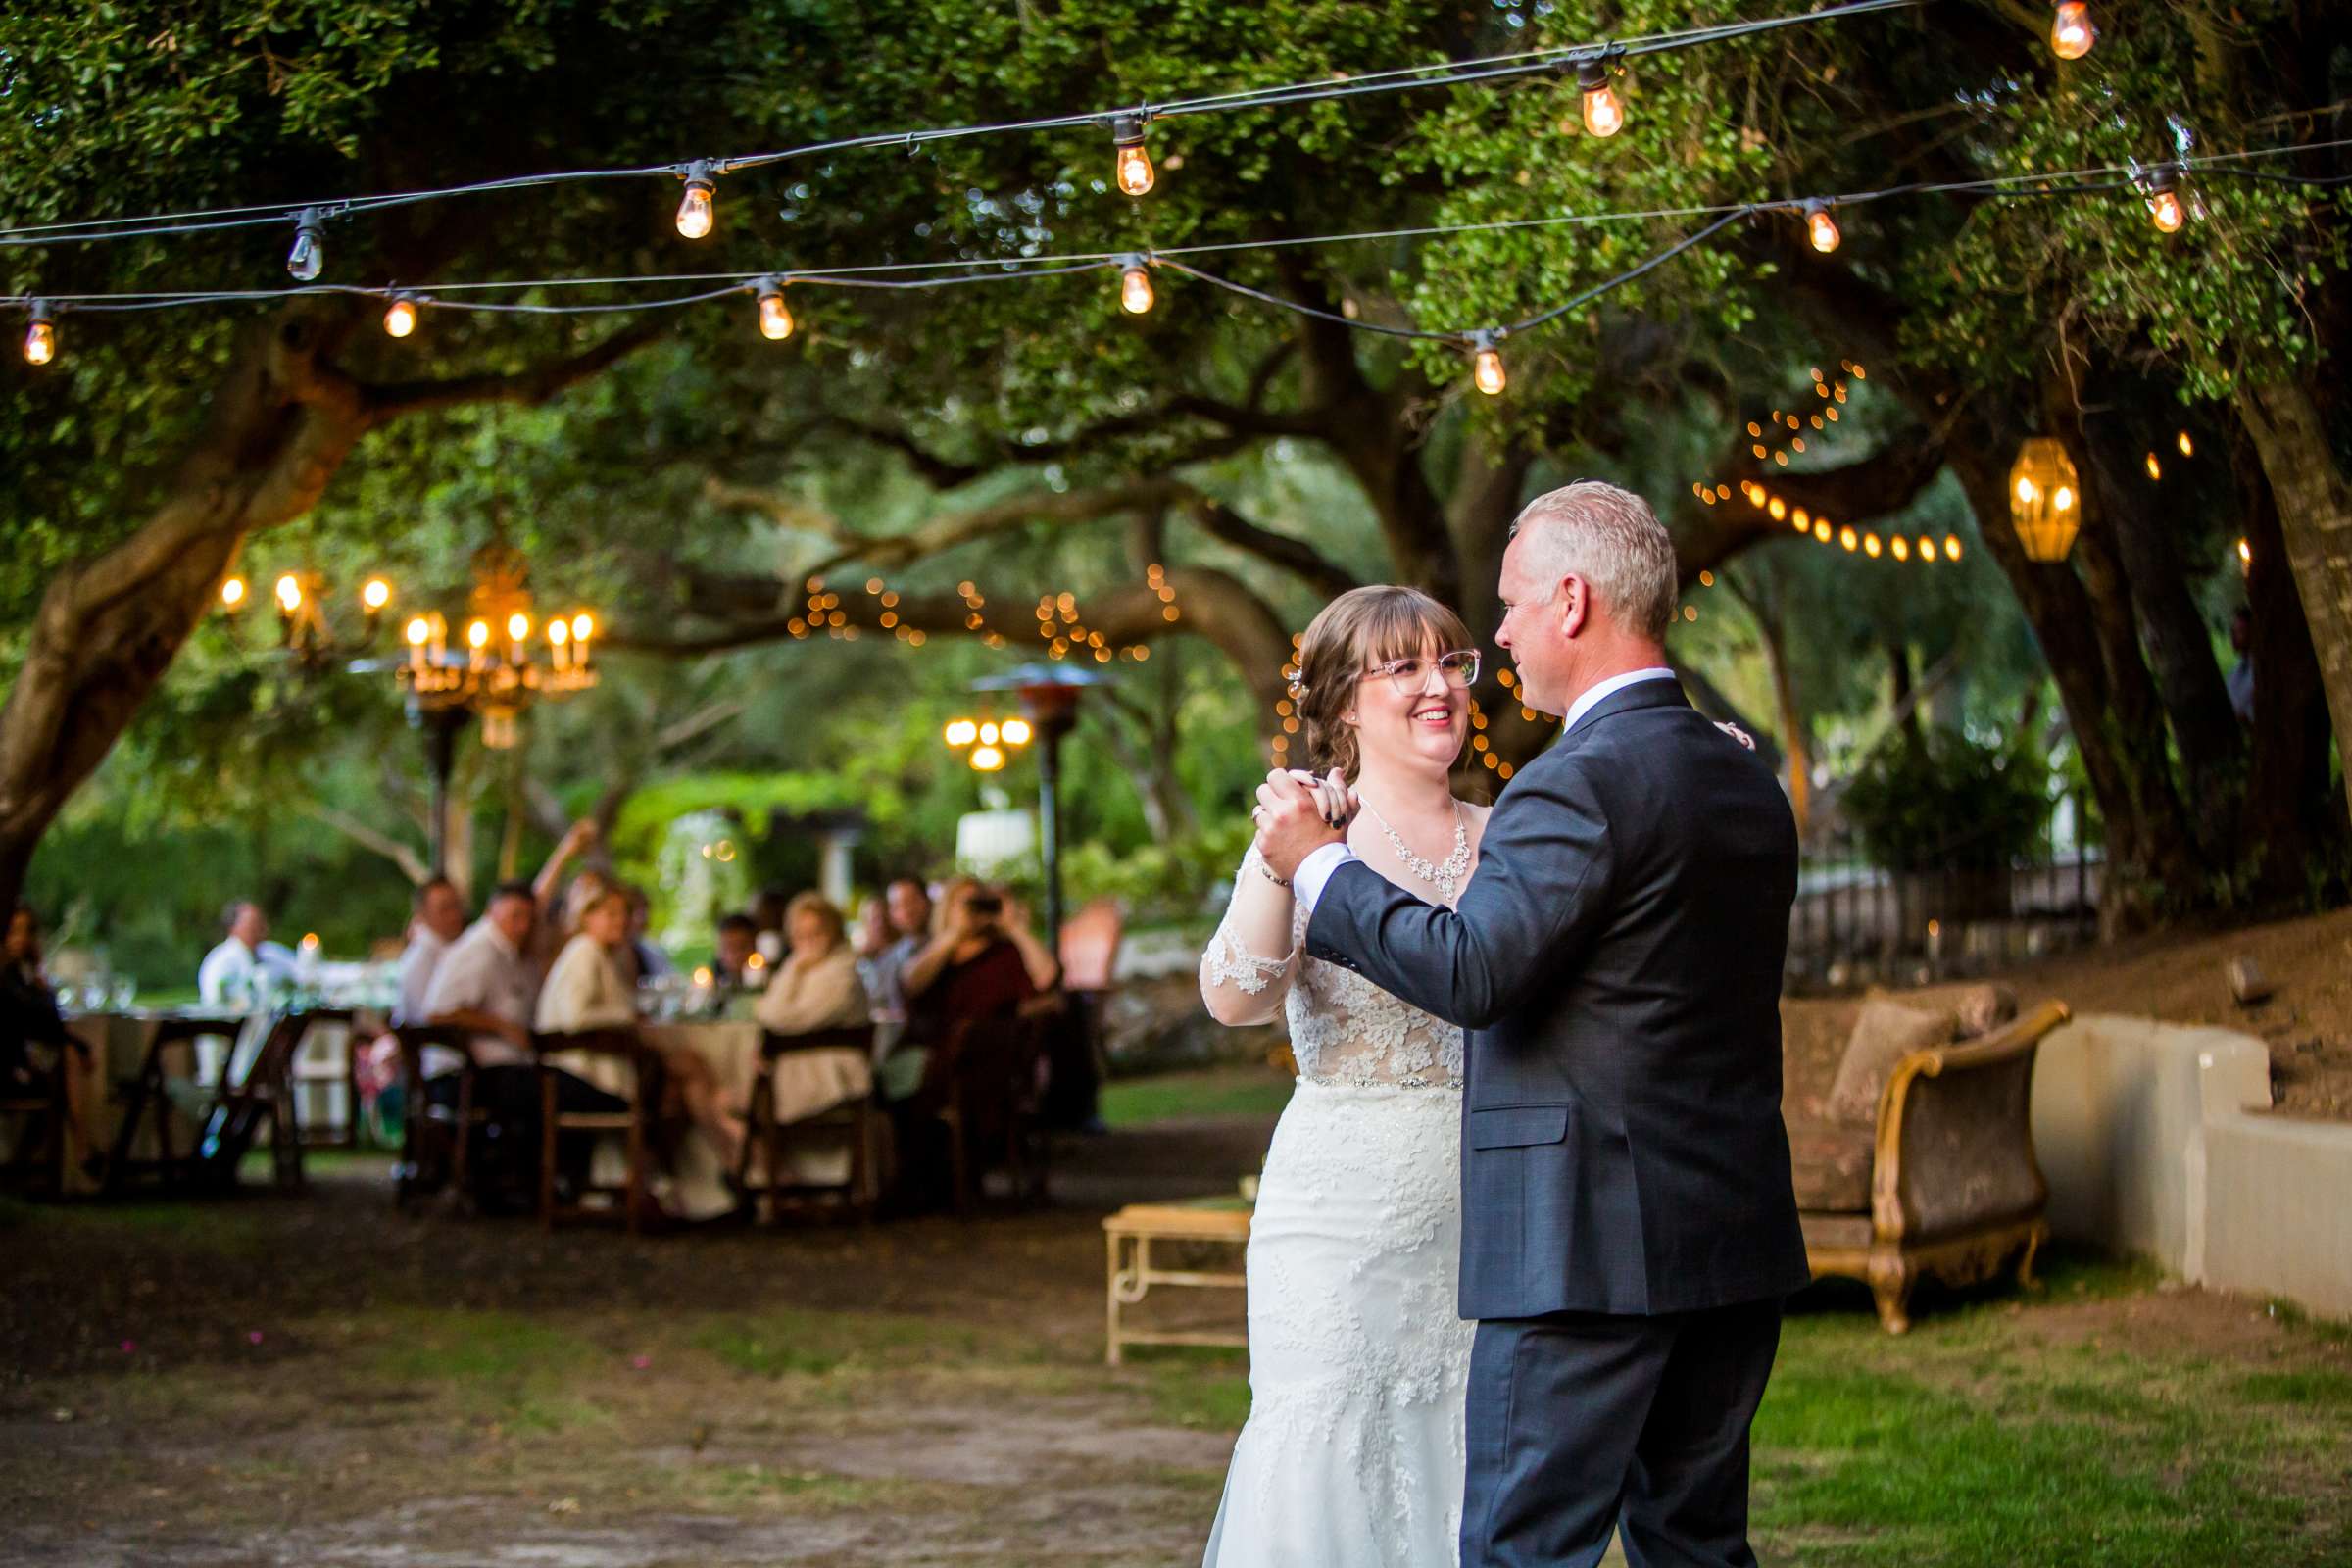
(1129, 1235)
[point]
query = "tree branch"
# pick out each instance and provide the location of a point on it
(391, 399)
(412, 865)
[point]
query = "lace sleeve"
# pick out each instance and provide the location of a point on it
(1237, 982)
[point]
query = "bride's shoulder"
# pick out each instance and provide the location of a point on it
(1475, 812)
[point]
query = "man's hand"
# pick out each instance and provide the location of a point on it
(1291, 824)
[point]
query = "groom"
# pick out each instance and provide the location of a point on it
(1628, 1224)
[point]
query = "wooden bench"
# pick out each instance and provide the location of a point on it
(1129, 1235)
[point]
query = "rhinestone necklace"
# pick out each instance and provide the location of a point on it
(1446, 877)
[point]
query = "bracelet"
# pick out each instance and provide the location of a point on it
(1268, 872)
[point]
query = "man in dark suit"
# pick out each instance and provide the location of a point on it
(1629, 1229)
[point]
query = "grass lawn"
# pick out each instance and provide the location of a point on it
(313, 1380)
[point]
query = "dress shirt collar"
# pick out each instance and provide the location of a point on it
(1602, 692)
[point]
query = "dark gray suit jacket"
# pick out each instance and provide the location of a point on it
(1617, 960)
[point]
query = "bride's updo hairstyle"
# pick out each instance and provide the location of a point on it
(1362, 629)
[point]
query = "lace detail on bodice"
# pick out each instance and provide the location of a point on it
(1343, 1029)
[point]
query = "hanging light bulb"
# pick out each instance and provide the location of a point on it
(1604, 116)
(2071, 32)
(1135, 285)
(289, 594)
(695, 211)
(1870, 546)
(40, 337)
(1485, 365)
(1820, 227)
(1133, 159)
(2155, 468)
(308, 258)
(232, 594)
(2164, 201)
(987, 759)
(1952, 546)
(375, 595)
(775, 319)
(400, 316)
(2188, 448)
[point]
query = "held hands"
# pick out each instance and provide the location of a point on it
(1297, 814)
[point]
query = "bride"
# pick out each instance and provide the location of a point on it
(1353, 1456)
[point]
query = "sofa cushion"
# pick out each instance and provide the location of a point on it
(1830, 1162)
(1885, 1033)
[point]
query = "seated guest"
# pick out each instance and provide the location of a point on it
(767, 921)
(34, 1040)
(232, 971)
(485, 984)
(816, 986)
(973, 968)
(738, 945)
(585, 990)
(652, 962)
(896, 929)
(438, 921)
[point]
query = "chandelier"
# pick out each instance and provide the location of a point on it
(504, 658)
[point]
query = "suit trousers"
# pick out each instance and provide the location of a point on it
(1579, 1422)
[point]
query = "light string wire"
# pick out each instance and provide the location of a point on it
(894, 275)
(1406, 78)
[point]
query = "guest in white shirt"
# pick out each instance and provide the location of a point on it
(586, 990)
(439, 921)
(231, 972)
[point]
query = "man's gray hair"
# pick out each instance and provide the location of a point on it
(1611, 539)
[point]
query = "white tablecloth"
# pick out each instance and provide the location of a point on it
(807, 1083)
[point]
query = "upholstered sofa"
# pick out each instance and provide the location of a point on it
(1911, 1145)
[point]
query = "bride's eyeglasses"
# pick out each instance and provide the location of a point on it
(1410, 675)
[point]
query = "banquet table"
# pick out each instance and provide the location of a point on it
(807, 1083)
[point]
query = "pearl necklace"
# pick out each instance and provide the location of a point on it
(1446, 877)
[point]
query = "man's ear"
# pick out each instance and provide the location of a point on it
(1575, 606)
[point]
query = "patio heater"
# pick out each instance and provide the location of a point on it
(1049, 695)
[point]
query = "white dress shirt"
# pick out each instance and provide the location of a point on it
(416, 965)
(482, 972)
(227, 973)
(1314, 872)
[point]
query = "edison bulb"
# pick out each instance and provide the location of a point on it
(232, 594)
(1952, 546)
(2155, 468)
(2187, 447)
(1016, 732)
(695, 211)
(2166, 211)
(1821, 229)
(289, 594)
(400, 317)
(1486, 370)
(961, 732)
(1135, 291)
(775, 318)
(987, 759)
(307, 257)
(1604, 115)
(1136, 177)
(2071, 32)
(40, 342)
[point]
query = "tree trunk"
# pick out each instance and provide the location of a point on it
(2315, 522)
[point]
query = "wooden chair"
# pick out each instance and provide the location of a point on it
(636, 1122)
(982, 1089)
(320, 1075)
(262, 1094)
(37, 1161)
(854, 1123)
(436, 1141)
(148, 1095)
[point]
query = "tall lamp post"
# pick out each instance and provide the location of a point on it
(1049, 695)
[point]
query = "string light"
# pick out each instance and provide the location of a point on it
(695, 210)
(375, 595)
(1604, 115)
(1135, 285)
(289, 594)
(775, 318)
(2162, 191)
(2187, 447)
(232, 594)
(41, 336)
(1820, 227)
(2070, 31)
(307, 257)
(400, 316)
(2154, 466)
(1132, 160)
(2245, 557)
(1485, 365)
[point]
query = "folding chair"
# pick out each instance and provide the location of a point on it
(635, 1122)
(436, 1141)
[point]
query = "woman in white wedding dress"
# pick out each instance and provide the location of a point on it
(1354, 1455)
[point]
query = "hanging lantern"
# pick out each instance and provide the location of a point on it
(2045, 499)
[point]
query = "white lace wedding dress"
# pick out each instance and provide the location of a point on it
(1353, 1456)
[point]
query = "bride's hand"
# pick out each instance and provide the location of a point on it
(1330, 796)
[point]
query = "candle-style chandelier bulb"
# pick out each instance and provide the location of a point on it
(41, 336)
(776, 319)
(400, 316)
(307, 257)
(1133, 159)
(1135, 286)
(2070, 31)
(1486, 366)
(1821, 229)
(1604, 115)
(289, 594)
(375, 595)
(695, 213)
(232, 594)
